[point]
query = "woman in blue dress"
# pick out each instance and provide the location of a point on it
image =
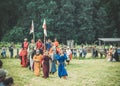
(62, 72)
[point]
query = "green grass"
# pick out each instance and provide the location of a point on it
(87, 72)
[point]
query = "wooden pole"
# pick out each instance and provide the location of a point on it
(33, 36)
(44, 43)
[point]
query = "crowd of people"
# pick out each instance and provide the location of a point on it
(112, 54)
(37, 56)
(43, 57)
(4, 50)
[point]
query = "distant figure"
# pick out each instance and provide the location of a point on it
(75, 53)
(37, 63)
(83, 52)
(110, 54)
(11, 49)
(46, 65)
(62, 73)
(94, 52)
(68, 53)
(3, 53)
(115, 55)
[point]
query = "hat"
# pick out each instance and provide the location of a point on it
(2, 73)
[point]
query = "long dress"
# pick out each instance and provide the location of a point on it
(37, 64)
(23, 55)
(31, 54)
(53, 61)
(46, 66)
(61, 67)
(53, 65)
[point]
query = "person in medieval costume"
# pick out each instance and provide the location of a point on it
(52, 53)
(31, 53)
(23, 57)
(62, 72)
(25, 44)
(39, 46)
(46, 64)
(37, 63)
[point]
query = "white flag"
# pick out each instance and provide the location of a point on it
(32, 27)
(44, 27)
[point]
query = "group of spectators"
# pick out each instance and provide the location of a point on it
(10, 48)
(112, 54)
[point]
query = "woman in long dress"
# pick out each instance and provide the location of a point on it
(62, 72)
(23, 56)
(52, 53)
(46, 65)
(37, 63)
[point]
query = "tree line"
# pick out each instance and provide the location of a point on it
(81, 20)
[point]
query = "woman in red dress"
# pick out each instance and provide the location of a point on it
(23, 56)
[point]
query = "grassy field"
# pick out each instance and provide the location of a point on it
(85, 72)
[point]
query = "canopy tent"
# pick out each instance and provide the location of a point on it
(109, 40)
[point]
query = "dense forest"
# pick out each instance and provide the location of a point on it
(81, 20)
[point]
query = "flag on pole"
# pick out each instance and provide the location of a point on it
(44, 27)
(32, 27)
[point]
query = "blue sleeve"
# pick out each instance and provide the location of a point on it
(65, 56)
(57, 56)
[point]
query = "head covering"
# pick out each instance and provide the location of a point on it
(2, 73)
(37, 51)
(25, 39)
(67, 46)
(111, 46)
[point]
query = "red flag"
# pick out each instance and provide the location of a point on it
(44, 27)
(32, 27)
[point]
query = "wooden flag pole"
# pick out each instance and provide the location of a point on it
(45, 34)
(33, 36)
(44, 43)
